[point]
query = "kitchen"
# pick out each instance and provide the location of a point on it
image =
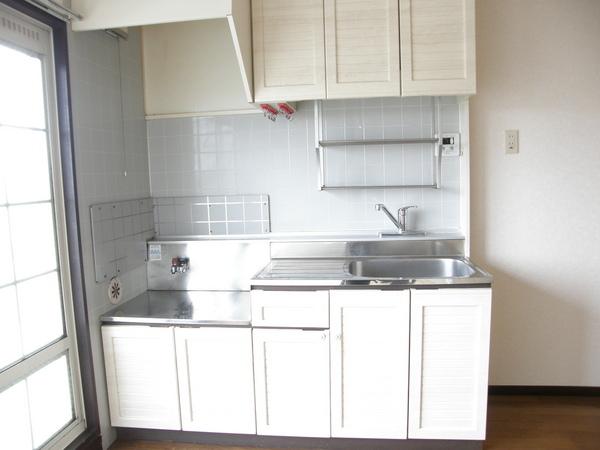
(320, 224)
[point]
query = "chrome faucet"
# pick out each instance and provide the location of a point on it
(400, 221)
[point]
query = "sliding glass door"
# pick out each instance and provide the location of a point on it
(40, 391)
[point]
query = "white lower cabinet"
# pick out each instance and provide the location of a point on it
(399, 364)
(291, 369)
(141, 376)
(216, 383)
(369, 363)
(449, 352)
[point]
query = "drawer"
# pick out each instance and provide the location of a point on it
(290, 309)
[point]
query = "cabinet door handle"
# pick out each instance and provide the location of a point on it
(338, 337)
(324, 336)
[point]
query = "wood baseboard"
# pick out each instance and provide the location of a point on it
(581, 391)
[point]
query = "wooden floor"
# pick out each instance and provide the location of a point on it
(514, 423)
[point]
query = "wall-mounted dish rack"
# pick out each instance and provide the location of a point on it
(435, 141)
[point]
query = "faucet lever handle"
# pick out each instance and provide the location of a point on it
(405, 208)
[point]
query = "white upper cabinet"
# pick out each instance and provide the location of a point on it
(362, 48)
(291, 369)
(141, 376)
(438, 47)
(369, 363)
(288, 49)
(449, 352)
(216, 382)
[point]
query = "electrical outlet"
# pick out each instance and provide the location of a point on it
(511, 141)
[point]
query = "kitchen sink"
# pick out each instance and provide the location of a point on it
(411, 268)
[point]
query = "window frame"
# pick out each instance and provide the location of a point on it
(84, 431)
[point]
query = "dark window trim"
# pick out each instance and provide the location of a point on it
(65, 129)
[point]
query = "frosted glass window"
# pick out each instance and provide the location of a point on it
(24, 156)
(14, 418)
(40, 311)
(6, 265)
(21, 89)
(40, 392)
(50, 400)
(35, 409)
(10, 334)
(33, 241)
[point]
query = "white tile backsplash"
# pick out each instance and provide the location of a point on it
(246, 154)
(109, 139)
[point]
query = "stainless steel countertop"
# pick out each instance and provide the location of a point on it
(304, 272)
(184, 308)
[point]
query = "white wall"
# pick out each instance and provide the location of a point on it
(98, 68)
(248, 154)
(536, 215)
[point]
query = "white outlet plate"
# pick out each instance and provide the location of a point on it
(511, 141)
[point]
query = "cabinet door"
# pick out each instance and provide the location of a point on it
(292, 382)
(216, 380)
(288, 49)
(438, 47)
(369, 363)
(362, 48)
(449, 351)
(141, 376)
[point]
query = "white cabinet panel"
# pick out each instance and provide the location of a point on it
(216, 379)
(362, 48)
(193, 68)
(103, 14)
(291, 369)
(438, 47)
(288, 48)
(141, 376)
(449, 352)
(290, 309)
(369, 363)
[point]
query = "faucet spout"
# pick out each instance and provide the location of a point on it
(400, 222)
(381, 207)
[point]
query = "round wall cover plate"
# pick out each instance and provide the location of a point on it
(115, 290)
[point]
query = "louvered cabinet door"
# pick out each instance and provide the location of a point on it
(437, 46)
(291, 370)
(369, 363)
(141, 376)
(288, 50)
(216, 381)
(362, 48)
(449, 353)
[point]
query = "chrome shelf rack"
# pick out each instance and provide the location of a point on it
(322, 145)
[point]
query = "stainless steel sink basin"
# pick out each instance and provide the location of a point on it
(411, 268)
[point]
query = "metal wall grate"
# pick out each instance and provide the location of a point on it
(119, 234)
(212, 215)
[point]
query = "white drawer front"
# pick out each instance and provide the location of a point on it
(290, 309)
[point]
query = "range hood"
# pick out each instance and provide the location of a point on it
(105, 14)
(197, 54)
